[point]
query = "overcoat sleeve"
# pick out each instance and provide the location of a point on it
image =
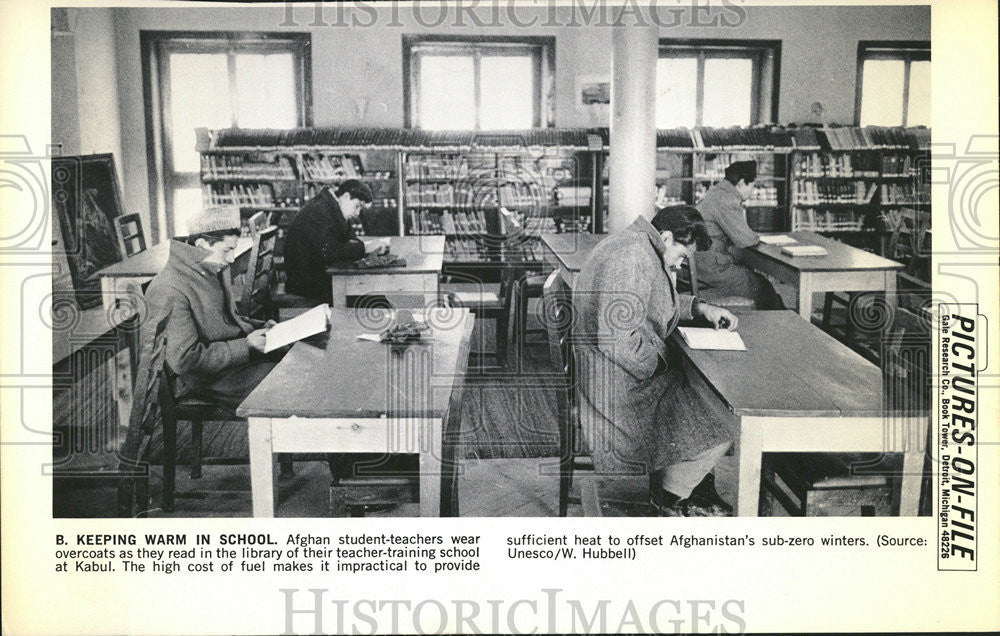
(186, 353)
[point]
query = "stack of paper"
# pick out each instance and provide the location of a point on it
(776, 239)
(706, 338)
(804, 250)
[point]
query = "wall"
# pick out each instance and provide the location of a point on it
(819, 48)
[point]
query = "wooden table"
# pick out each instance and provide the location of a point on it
(568, 252)
(123, 280)
(797, 389)
(844, 268)
(424, 256)
(358, 396)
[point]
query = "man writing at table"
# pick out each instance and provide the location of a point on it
(638, 412)
(216, 353)
(718, 267)
(320, 235)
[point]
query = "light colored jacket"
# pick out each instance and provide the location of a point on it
(636, 408)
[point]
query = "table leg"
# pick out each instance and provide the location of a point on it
(909, 497)
(261, 466)
(891, 300)
(749, 455)
(339, 286)
(805, 295)
(430, 467)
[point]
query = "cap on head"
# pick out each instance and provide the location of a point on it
(214, 218)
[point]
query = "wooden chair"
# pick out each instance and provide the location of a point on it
(131, 239)
(256, 300)
(486, 304)
(132, 462)
(558, 317)
(258, 223)
(525, 287)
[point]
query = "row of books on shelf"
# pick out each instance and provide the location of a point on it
(762, 196)
(459, 249)
(816, 165)
(851, 192)
(763, 137)
(903, 194)
(572, 196)
(826, 221)
(240, 194)
(331, 167)
(247, 167)
(898, 166)
(448, 222)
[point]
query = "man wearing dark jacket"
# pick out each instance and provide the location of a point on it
(320, 234)
(216, 353)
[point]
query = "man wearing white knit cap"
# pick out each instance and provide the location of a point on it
(215, 353)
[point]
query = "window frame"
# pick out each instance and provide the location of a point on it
(156, 47)
(765, 87)
(907, 51)
(541, 48)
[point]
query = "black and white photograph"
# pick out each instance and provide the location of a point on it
(328, 283)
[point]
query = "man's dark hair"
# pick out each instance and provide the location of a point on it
(685, 223)
(213, 237)
(746, 170)
(358, 190)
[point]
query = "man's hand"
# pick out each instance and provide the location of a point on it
(269, 324)
(719, 317)
(257, 340)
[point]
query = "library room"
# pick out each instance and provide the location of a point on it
(326, 260)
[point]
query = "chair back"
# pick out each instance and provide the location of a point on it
(256, 301)
(258, 223)
(687, 276)
(131, 239)
(146, 413)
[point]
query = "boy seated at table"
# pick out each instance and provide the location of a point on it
(321, 234)
(638, 412)
(216, 353)
(719, 271)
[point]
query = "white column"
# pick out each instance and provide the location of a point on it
(632, 162)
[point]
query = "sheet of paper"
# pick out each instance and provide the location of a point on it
(708, 338)
(777, 239)
(374, 337)
(302, 326)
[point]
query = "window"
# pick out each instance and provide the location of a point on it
(214, 80)
(894, 84)
(478, 83)
(716, 83)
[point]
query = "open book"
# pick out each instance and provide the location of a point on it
(302, 326)
(708, 338)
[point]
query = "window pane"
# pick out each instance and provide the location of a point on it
(506, 92)
(918, 110)
(199, 97)
(882, 93)
(676, 91)
(187, 202)
(447, 98)
(265, 91)
(728, 92)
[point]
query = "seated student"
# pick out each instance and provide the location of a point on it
(638, 412)
(320, 234)
(215, 353)
(718, 267)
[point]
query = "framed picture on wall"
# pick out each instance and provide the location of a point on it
(86, 198)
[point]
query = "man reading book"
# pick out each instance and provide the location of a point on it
(638, 412)
(216, 353)
(321, 234)
(719, 269)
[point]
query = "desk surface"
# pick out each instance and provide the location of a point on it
(790, 368)
(424, 254)
(840, 256)
(572, 249)
(149, 262)
(364, 379)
